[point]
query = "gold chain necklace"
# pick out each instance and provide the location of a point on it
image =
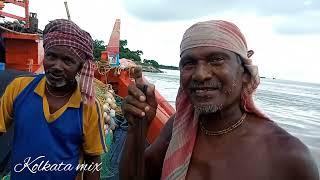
(224, 131)
(56, 95)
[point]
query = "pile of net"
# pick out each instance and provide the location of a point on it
(110, 104)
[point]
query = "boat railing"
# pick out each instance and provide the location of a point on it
(28, 66)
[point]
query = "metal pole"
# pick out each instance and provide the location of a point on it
(67, 9)
(27, 14)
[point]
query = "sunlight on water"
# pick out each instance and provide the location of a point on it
(295, 106)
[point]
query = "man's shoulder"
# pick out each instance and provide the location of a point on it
(284, 145)
(286, 150)
(22, 80)
(18, 84)
(293, 155)
(278, 139)
(270, 132)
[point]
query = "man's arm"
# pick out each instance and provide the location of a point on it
(93, 140)
(153, 155)
(294, 160)
(95, 173)
(302, 165)
(6, 104)
(156, 152)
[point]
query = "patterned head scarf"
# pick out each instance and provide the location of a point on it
(215, 33)
(61, 32)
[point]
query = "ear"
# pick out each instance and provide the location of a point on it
(80, 66)
(246, 77)
(250, 53)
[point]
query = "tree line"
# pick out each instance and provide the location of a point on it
(135, 55)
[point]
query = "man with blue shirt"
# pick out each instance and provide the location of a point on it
(57, 124)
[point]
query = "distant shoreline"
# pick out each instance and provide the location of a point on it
(153, 69)
(261, 77)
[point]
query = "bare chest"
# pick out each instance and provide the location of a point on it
(241, 160)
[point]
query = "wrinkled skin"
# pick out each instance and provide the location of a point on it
(61, 67)
(213, 78)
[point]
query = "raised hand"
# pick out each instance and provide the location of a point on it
(139, 105)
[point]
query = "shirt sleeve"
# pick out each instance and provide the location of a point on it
(6, 104)
(94, 136)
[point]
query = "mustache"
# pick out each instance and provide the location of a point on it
(205, 84)
(55, 72)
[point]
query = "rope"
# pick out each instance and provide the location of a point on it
(103, 68)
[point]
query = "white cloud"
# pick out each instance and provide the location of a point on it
(289, 54)
(297, 16)
(300, 23)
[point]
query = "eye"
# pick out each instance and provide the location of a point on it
(50, 56)
(188, 64)
(214, 60)
(68, 61)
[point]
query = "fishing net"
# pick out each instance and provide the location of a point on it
(103, 93)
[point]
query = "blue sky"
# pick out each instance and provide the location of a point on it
(285, 35)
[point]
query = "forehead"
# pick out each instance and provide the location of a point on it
(204, 51)
(63, 51)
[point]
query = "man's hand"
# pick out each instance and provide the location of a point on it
(95, 161)
(139, 108)
(137, 105)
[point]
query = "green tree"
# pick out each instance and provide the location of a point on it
(129, 54)
(98, 47)
(125, 52)
(123, 43)
(151, 62)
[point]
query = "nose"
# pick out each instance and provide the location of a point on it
(57, 65)
(202, 72)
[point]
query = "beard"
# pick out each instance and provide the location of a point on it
(207, 109)
(57, 84)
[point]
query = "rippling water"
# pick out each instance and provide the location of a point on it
(295, 106)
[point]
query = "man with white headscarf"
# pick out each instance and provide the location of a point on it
(217, 131)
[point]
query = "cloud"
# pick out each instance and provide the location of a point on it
(167, 10)
(185, 9)
(302, 24)
(295, 16)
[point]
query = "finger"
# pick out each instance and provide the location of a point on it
(137, 75)
(130, 109)
(136, 92)
(141, 105)
(151, 97)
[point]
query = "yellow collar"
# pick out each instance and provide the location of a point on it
(74, 100)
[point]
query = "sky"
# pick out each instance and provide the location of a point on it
(285, 35)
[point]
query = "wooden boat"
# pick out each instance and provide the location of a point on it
(118, 75)
(120, 80)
